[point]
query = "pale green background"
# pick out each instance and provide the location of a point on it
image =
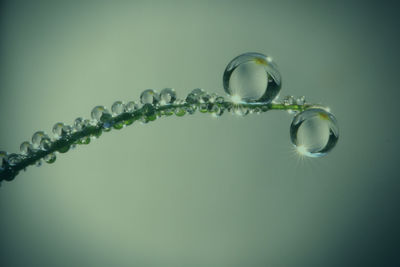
(199, 191)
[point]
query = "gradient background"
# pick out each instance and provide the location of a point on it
(199, 191)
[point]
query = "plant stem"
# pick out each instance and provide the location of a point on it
(9, 171)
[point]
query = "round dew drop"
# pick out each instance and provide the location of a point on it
(314, 132)
(132, 106)
(117, 108)
(100, 114)
(57, 129)
(167, 96)
(252, 77)
(149, 96)
(26, 148)
(37, 138)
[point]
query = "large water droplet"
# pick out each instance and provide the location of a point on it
(149, 96)
(167, 96)
(252, 77)
(314, 132)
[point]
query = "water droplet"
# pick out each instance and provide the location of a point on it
(100, 114)
(119, 125)
(148, 113)
(314, 132)
(203, 107)
(180, 110)
(149, 96)
(191, 109)
(66, 130)
(97, 133)
(79, 124)
(45, 143)
(131, 106)
(37, 138)
(198, 95)
(216, 111)
(167, 111)
(255, 110)
(64, 149)
(84, 141)
(3, 159)
(240, 110)
(26, 148)
(118, 108)
(288, 100)
(167, 96)
(38, 163)
(13, 159)
(50, 158)
(301, 100)
(219, 100)
(57, 129)
(252, 77)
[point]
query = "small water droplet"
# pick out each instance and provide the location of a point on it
(26, 148)
(132, 106)
(64, 149)
(167, 96)
(100, 114)
(314, 132)
(66, 130)
(216, 110)
(3, 159)
(79, 124)
(84, 141)
(119, 125)
(180, 110)
(13, 159)
(203, 107)
(240, 110)
(118, 108)
(197, 95)
(191, 109)
(301, 100)
(219, 100)
(288, 100)
(50, 158)
(149, 96)
(148, 113)
(57, 129)
(252, 77)
(45, 143)
(37, 138)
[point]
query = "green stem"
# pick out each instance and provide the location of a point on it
(9, 172)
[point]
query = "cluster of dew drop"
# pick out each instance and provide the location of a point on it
(252, 82)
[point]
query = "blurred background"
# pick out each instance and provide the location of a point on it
(200, 191)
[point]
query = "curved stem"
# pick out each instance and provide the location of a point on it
(149, 112)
